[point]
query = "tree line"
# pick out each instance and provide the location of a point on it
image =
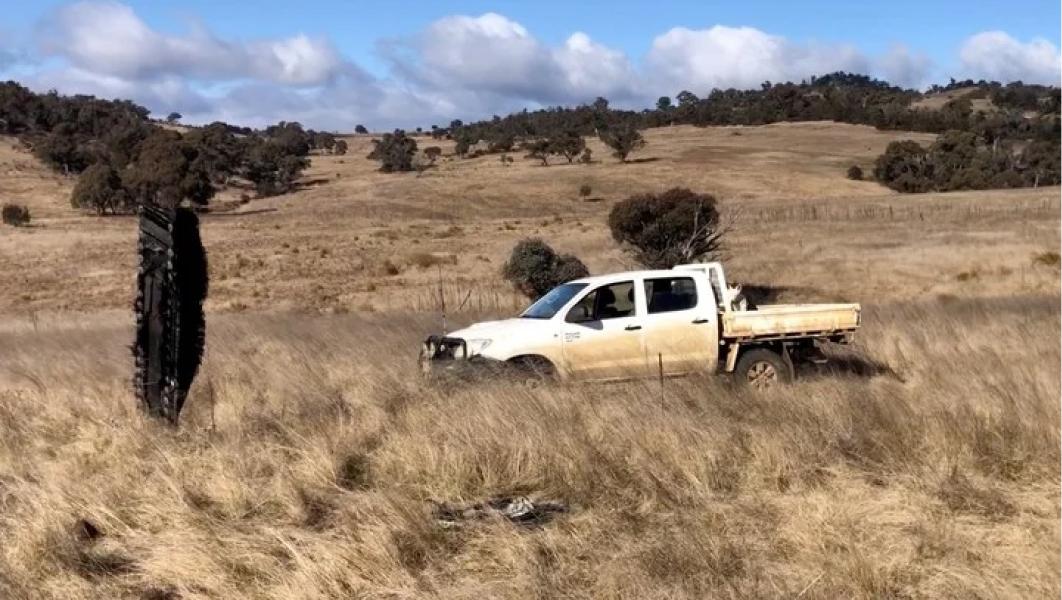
(556, 133)
(1016, 143)
(124, 159)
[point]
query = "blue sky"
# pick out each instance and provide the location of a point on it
(331, 63)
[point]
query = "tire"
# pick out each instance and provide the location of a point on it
(533, 370)
(761, 369)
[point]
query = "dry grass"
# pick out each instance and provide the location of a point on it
(925, 465)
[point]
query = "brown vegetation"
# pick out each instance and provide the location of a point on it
(925, 464)
(307, 464)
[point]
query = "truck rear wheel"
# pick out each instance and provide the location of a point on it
(762, 369)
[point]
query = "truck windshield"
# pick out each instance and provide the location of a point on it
(548, 305)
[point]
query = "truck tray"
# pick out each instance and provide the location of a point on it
(788, 320)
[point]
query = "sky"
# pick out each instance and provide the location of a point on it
(331, 64)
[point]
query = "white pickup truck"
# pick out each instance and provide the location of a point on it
(645, 323)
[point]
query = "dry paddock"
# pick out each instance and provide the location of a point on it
(925, 465)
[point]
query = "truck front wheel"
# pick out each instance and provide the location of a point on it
(533, 370)
(762, 369)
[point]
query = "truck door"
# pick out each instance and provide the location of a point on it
(681, 324)
(602, 333)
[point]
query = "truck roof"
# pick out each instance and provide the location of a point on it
(596, 279)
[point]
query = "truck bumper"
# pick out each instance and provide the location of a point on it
(442, 356)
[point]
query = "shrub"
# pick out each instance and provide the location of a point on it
(166, 172)
(395, 151)
(433, 153)
(503, 142)
(100, 189)
(661, 231)
(340, 147)
(271, 169)
(534, 268)
(539, 149)
(586, 158)
(464, 140)
(568, 144)
(855, 173)
(904, 167)
(322, 140)
(15, 215)
(360, 129)
(1049, 258)
(218, 151)
(623, 140)
(964, 160)
(585, 190)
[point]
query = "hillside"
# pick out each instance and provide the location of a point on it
(923, 463)
(327, 246)
(936, 101)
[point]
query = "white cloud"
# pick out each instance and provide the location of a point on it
(995, 55)
(458, 66)
(162, 95)
(591, 69)
(490, 59)
(110, 39)
(903, 67)
(740, 57)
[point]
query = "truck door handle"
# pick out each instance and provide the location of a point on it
(699, 321)
(632, 328)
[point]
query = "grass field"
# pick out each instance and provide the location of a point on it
(924, 465)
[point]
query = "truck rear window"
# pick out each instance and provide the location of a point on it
(669, 294)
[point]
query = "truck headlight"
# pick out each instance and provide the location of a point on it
(476, 346)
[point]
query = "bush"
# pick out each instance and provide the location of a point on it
(1049, 259)
(15, 215)
(961, 160)
(540, 150)
(463, 142)
(271, 169)
(855, 173)
(360, 129)
(100, 189)
(675, 227)
(534, 268)
(568, 144)
(585, 190)
(340, 147)
(502, 142)
(623, 140)
(904, 167)
(166, 171)
(395, 152)
(322, 140)
(433, 153)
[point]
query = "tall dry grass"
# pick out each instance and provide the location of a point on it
(926, 465)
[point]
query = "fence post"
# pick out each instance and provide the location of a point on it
(660, 369)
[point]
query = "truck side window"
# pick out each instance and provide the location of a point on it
(614, 301)
(583, 310)
(669, 294)
(606, 302)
